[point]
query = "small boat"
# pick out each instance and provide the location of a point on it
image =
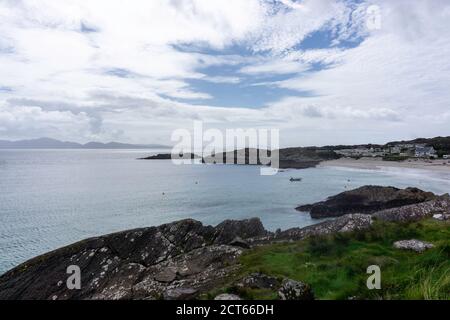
(295, 179)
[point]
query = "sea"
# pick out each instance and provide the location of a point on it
(51, 198)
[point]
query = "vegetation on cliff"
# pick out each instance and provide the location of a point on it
(335, 266)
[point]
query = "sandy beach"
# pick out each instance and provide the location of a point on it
(377, 163)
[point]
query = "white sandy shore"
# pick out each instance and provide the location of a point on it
(377, 163)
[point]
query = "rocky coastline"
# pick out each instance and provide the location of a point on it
(366, 199)
(186, 259)
(289, 158)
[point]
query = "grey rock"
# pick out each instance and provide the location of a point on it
(416, 212)
(136, 264)
(227, 296)
(366, 199)
(441, 216)
(239, 242)
(413, 244)
(295, 290)
(228, 230)
(258, 281)
(166, 275)
(180, 294)
(346, 223)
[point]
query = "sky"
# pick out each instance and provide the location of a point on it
(321, 71)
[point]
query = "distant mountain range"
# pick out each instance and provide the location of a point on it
(48, 143)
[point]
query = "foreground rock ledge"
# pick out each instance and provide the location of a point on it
(179, 260)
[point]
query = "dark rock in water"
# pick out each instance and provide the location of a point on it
(246, 156)
(169, 261)
(159, 156)
(289, 158)
(295, 290)
(168, 156)
(367, 199)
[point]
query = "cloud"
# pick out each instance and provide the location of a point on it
(271, 67)
(101, 69)
(222, 79)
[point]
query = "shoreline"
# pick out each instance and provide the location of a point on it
(378, 164)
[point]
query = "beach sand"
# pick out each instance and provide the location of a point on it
(377, 163)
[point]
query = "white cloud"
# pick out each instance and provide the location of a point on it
(219, 79)
(280, 66)
(103, 69)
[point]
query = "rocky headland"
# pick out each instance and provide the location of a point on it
(366, 199)
(168, 156)
(289, 158)
(188, 260)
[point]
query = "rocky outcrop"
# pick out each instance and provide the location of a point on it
(289, 158)
(258, 281)
(302, 158)
(168, 156)
(367, 199)
(178, 260)
(415, 212)
(227, 296)
(231, 230)
(441, 216)
(413, 244)
(295, 290)
(347, 223)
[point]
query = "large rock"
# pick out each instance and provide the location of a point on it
(176, 260)
(367, 199)
(346, 223)
(258, 280)
(295, 290)
(413, 244)
(228, 231)
(227, 296)
(415, 212)
(441, 216)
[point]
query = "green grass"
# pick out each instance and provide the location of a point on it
(335, 266)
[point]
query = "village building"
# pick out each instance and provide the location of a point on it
(425, 152)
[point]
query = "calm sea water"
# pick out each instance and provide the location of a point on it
(51, 198)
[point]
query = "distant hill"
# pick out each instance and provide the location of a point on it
(48, 143)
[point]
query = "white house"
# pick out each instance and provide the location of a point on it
(425, 152)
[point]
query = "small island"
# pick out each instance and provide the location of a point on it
(169, 156)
